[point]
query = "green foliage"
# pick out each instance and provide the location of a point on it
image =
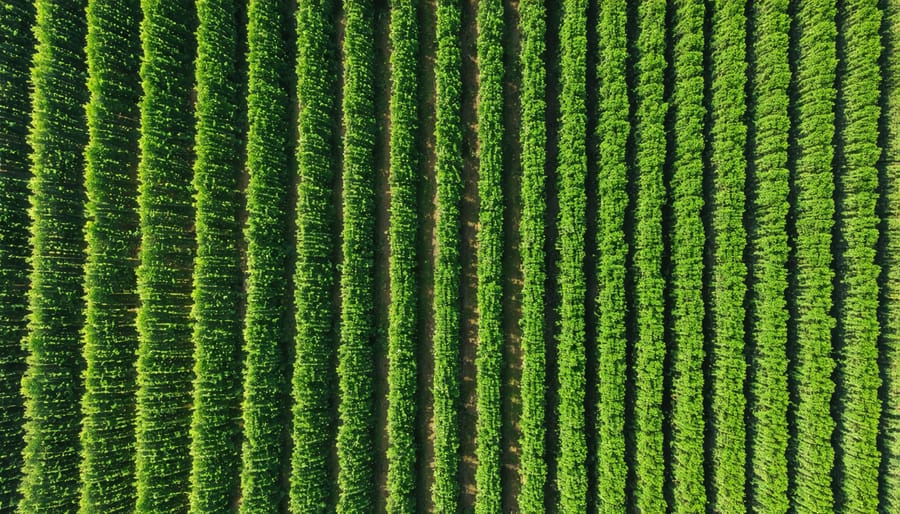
(110, 339)
(218, 279)
(52, 384)
(16, 48)
(768, 400)
(402, 313)
(613, 130)
(448, 168)
(890, 255)
(533, 141)
(572, 170)
(811, 455)
(489, 357)
(857, 178)
(356, 360)
(266, 394)
(165, 354)
(649, 347)
(687, 240)
(314, 279)
(728, 166)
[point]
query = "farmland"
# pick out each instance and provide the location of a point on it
(449, 256)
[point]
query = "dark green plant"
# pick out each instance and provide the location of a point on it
(52, 384)
(110, 339)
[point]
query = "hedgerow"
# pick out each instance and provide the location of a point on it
(613, 129)
(16, 49)
(489, 357)
(649, 347)
(533, 140)
(572, 171)
(768, 399)
(402, 313)
(315, 275)
(728, 165)
(165, 353)
(218, 278)
(810, 452)
(857, 177)
(356, 364)
(52, 384)
(687, 240)
(110, 339)
(889, 343)
(267, 233)
(448, 169)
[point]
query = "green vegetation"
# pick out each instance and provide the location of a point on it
(110, 338)
(16, 47)
(448, 166)
(768, 401)
(857, 178)
(402, 313)
(356, 366)
(489, 359)
(649, 348)
(811, 455)
(533, 141)
(165, 354)
(613, 129)
(52, 384)
(686, 244)
(728, 166)
(315, 275)
(266, 339)
(217, 294)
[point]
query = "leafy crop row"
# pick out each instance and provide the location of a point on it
(533, 140)
(266, 395)
(16, 49)
(613, 130)
(768, 401)
(356, 364)
(402, 334)
(728, 165)
(111, 340)
(812, 456)
(52, 384)
(218, 278)
(489, 359)
(448, 166)
(686, 244)
(314, 278)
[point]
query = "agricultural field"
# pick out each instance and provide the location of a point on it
(305, 256)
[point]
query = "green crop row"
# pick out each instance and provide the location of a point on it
(858, 153)
(686, 243)
(489, 356)
(613, 130)
(768, 401)
(16, 49)
(112, 231)
(728, 166)
(649, 347)
(218, 278)
(356, 364)
(266, 340)
(533, 141)
(52, 384)
(572, 173)
(448, 168)
(315, 275)
(402, 314)
(812, 456)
